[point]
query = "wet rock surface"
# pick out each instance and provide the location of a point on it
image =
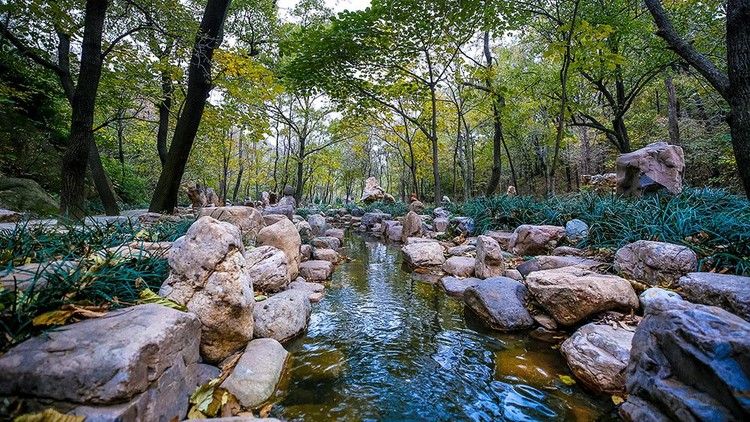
(500, 303)
(256, 376)
(688, 362)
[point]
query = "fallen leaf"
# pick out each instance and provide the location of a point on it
(567, 380)
(617, 400)
(49, 415)
(59, 317)
(194, 413)
(148, 296)
(260, 298)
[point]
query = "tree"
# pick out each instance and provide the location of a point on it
(734, 85)
(208, 39)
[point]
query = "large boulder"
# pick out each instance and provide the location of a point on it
(689, 362)
(372, 191)
(371, 218)
(283, 316)
(316, 270)
(326, 242)
(546, 262)
(412, 226)
(26, 195)
(729, 292)
(655, 263)
(572, 294)
(138, 363)
(314, 290)
(248, 219)
(304, 230)
(268, 268)
(440, 224)
(460, 266)
(654, 167)
(394, 232)
(423, 254)
(337, 233)
(257, 375)
(208, 275)
(456, 287)
(535, 240)
(283, 235)
(598, 355)
(318, 224)
(329, 255)
(489, 262)
(501, 303)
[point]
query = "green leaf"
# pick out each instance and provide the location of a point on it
(148, 296)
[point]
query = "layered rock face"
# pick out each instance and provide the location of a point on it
(209, 276)
(689, 362)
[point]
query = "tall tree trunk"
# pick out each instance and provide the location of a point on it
(738, 66)
(81, 142)
(101, 180)
(240, 151)
(672, 110)
(498, 101)
(300, 170)
(165, 106)
(567, 59)
(434, 139)
(199, 86)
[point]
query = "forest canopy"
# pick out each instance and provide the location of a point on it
(122, 103)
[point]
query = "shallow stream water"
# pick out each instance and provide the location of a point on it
(382, 346)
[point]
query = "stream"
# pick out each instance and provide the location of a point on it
(382, 346)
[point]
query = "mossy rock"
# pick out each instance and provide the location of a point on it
(26, 195)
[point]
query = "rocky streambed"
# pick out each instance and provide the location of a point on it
(291, 318)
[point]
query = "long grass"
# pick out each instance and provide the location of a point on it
(714, 223)
(97, 278)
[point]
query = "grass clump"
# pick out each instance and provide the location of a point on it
(82, 267)
(714, 223)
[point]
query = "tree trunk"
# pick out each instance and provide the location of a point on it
(240, 151)
(300, 170)
(101, 180)
(81, 142)
(497, 137)
(738, 66)
(672, 110)
(199, 86)
(165, 105)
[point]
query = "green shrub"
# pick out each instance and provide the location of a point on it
(395, 209)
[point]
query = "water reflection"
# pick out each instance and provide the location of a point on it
(382, 346)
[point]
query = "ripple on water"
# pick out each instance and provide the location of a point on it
(382, 346)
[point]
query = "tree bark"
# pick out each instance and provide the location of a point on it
(672, 110)
(165, 106)
(81, 142)
(498, 102)
(199, 86)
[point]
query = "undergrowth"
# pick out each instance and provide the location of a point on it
(99, 280)
(714, 223)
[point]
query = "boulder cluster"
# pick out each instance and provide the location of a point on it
(246, 281)
(685, 358)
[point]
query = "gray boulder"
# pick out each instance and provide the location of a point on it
(337, 233)
(535, 240)
(26, 195)
(729, 292)
(412, 225)
(460, 266)
(423, 254)
(394, 232)
(462, 250)
(456, 287)
(500, 303)
(598, 354)
(576, 230)
(440, 224)
(489, 262)
(689, 362)
(282, 316)
(268, 268)
(318, 224)
(370, 218)
(502, 238)
(316, 270)
(209, 276)
(325, 242)
(572, 294)
(137, 363)
(257, 375)
(326, 255)
(283, 235)
(314, 290)
(655, 263)
(545, 262)
(247, 219)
